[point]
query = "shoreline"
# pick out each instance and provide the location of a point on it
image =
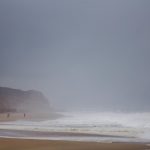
(27, 144)
(35, 133)
(68, 136)
(9, 117)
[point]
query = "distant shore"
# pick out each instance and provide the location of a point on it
(6, 117)
(22, 144)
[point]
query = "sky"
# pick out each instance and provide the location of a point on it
(82, 54)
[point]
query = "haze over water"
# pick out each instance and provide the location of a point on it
(81, 54)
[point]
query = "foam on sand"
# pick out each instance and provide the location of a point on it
(131, 126)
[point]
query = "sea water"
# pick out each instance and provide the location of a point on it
(103, 126)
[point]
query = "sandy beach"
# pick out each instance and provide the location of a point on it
(37, 144)
(22, 144)
(6, 117)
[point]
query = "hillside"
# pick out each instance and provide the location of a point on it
(15, 100)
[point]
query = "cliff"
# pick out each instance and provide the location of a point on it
(15, 100)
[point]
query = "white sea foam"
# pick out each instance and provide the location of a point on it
(135, 125)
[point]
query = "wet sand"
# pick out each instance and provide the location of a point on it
(69, 136)
(23, 144)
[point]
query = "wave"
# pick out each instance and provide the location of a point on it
(132, 125)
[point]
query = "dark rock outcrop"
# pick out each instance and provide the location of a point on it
(14, 100)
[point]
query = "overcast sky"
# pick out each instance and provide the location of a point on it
(82, 54)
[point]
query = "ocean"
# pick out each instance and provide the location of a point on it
(84, 126)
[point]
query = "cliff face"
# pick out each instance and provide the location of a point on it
(14, 100)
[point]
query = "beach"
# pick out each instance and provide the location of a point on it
(7, 117)
(70, 132)
(28, 144)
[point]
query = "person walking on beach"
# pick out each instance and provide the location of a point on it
(8, 115)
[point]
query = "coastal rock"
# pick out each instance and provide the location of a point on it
(16, 100)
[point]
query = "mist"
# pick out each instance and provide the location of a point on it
(82, 54)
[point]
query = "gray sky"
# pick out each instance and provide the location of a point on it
(82, 54)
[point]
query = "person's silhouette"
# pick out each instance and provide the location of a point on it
(8, 115)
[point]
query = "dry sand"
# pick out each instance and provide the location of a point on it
(22, 144)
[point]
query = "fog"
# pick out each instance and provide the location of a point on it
(82, 54)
